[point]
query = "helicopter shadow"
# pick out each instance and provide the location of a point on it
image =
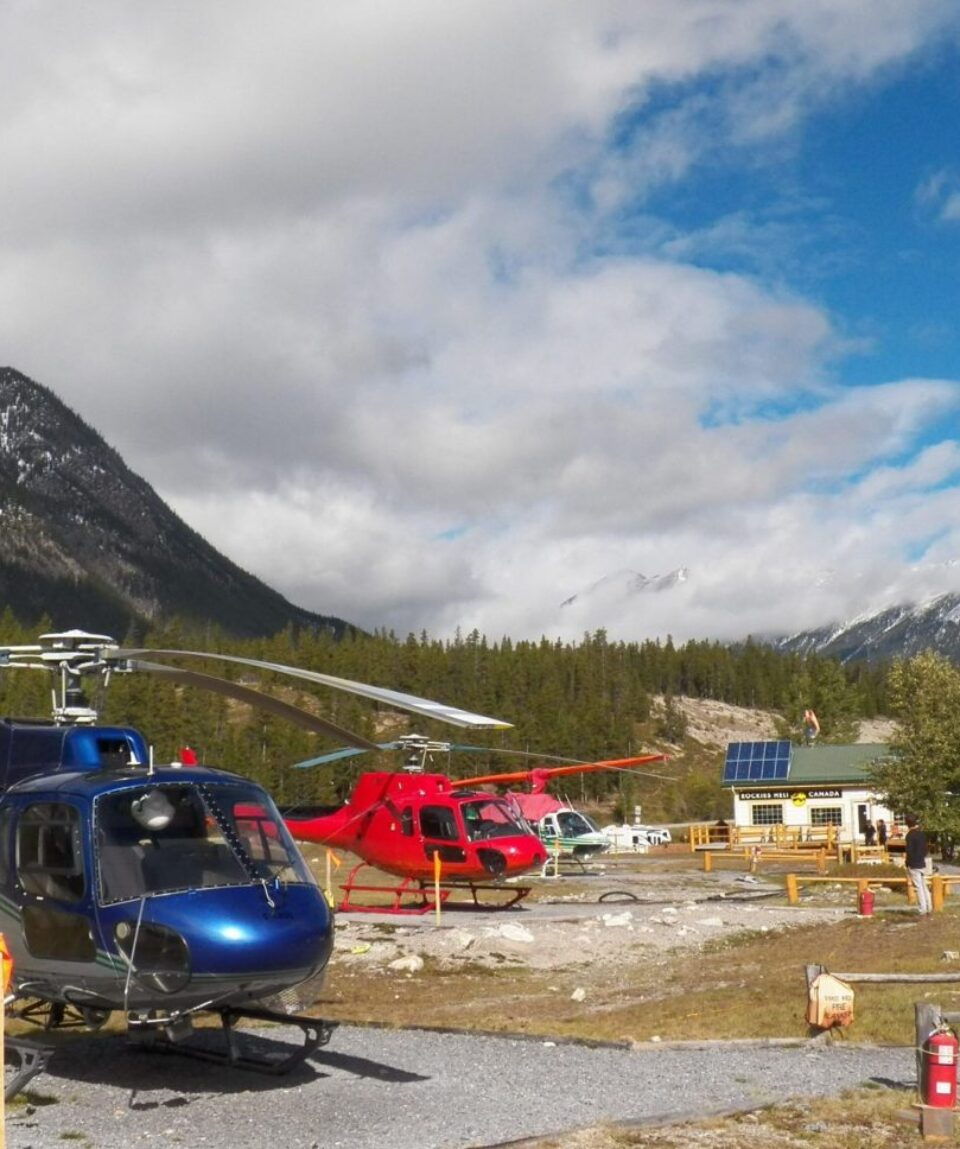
(188, 1071)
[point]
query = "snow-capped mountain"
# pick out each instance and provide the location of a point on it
(897, 630)
(87, 542)
(902, 630)
(626, 583)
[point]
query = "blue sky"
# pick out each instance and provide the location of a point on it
(435, 315)
(846, 208)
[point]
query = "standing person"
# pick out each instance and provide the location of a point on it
(917, 863)
(869, 834)
(811, 727)
(881, 832)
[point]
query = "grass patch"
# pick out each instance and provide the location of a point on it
(751, 985)
(869, 1118)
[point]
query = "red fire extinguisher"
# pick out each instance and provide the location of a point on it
(939, 1088)
(865, 908)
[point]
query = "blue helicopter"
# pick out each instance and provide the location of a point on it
(161, 891)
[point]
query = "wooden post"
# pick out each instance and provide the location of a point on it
(436, 886)
(911, 893)
(707, 861)
(332, 860)
(821, 861)
(793, 895)
(936, 893)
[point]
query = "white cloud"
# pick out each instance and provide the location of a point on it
(327, 278)
(939, 193)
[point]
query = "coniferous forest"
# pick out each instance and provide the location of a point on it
(592, 699)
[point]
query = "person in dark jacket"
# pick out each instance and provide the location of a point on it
(917, 863)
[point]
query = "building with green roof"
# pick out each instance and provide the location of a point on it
(805, 787)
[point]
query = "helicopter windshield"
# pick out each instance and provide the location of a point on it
(573, 824)
(160, 838)
(489, 818)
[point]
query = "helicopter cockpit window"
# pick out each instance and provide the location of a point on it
(160, 839)
(572, 824)
(488, 818)
(49, 853)
(266, 840)
(437, 822)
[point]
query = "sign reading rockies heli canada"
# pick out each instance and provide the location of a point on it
(813, 794)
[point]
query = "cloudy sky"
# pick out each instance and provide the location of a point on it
(434, 313)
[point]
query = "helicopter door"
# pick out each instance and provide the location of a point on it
(51, 873)
(548, 826)
(439, 829)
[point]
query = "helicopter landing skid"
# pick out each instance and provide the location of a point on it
(58, 1015)
(24, 1060)
(153, 1033)
(424, 893)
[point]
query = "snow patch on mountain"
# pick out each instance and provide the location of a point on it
(626, 583)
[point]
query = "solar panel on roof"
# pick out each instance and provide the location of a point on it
(757, 762)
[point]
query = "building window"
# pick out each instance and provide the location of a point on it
(826, 816)
(767, 815)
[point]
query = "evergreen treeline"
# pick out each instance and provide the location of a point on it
(586, 700)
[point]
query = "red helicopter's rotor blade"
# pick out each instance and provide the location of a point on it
(545, 773)
(517, 753)
(411, 702)
(294, 714)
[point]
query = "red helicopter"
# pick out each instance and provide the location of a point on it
(411, 823)
(430, 830)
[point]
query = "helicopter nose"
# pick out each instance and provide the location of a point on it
(519, 858)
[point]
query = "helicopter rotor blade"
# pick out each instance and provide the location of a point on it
(541, 776)
(339, 755)
(517, 753)
(401, 744)
(410, 702)
(285, 710)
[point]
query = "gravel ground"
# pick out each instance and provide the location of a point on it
(651, 915)
(417, 1090)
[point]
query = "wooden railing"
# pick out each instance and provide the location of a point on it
(754, 858)
(717, 835)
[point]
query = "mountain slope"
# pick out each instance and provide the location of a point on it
(899, 631)
(89, 543)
